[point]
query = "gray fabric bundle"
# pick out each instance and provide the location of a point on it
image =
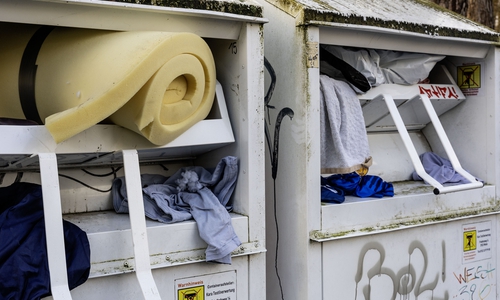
(192, 192)
(440, 169)
(344, 142)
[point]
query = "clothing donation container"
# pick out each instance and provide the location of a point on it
(139, 129)
(382, 171)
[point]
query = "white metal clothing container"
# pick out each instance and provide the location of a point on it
(134, 257)
(421, 243)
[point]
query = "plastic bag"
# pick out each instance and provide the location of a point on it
(381, 66)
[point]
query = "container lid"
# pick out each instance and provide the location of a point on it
(238, 7)
(417, 16)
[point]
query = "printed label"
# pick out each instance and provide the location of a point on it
(218, 286)
(477, 241)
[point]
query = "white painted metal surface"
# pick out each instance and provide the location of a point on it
(105, 230)
(419, 168)
(120, 16)
(473, 182)
(138, 225)
(131, 257)
(98, 141)
(54, 232)
(414, 204)
(428, 262)
(444, 95)
(208, 14)
(326, 243)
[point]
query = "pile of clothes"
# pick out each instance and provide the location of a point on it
(191, 193)
(335, 187)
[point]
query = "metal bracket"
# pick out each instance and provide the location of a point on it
(419, 168)
(54, 232)
(138, 225)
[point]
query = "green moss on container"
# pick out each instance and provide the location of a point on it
(238, 8)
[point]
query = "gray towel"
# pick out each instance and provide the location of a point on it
(344, 143)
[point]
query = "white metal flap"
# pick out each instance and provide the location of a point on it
(443, 96)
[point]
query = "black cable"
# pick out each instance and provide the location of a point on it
(86, 185)
(277, 243)
(113, 172)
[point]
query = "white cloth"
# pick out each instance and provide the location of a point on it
(344, 143)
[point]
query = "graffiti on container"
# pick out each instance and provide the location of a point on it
(274, 146)
(476, 282)
(411, 281)
(274, 150)
(438, 92)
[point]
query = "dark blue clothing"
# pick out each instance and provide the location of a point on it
(330, 194)
(354, 184)
(24, 272)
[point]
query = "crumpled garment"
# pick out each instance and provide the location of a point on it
(191, 193)
(344, 142)
(356, 185)
(24, 271)
(330, 194)
(440, 169)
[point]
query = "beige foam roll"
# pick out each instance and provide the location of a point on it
(157, 84)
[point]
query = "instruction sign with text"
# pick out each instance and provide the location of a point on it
(477, 241)
(218, 286)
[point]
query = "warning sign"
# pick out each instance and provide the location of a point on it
(191, 293)
(469, 77)
(477, 241)
(470, 240)
(218, 286)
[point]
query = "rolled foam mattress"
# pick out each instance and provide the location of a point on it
(157, 84)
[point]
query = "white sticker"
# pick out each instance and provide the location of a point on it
(218, 286)
(477, 241)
